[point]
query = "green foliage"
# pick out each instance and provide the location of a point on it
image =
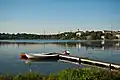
(2, 78)
(96, 35)
(52, 77)
(28, 76)
(87, 74)
(68, 74)
(109, 36)
(5, 77)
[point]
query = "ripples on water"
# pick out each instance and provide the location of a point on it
(10, 50)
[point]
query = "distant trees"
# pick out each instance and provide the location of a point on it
(108, 36)
(4, 36)
(96, 35)
(92, 35)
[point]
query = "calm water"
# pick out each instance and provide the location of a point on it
(10, 53)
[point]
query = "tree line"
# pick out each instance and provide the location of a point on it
(91, 35)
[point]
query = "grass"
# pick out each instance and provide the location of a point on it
(68, 74)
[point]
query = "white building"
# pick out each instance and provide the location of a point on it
(117, 35)
(78, 34)
(103, 37)
(66, 34)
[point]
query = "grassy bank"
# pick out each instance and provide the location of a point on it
(68, 74)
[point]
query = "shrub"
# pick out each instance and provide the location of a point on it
(68, 74)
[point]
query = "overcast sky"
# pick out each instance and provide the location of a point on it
(53, 16)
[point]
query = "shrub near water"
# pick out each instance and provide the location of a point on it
(28, 76)
(68, 74)
(88, 74)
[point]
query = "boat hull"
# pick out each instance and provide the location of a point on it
(39, 56)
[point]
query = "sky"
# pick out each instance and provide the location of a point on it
(53, 16)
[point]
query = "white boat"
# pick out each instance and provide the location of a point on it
(51, 55)
(39, 56)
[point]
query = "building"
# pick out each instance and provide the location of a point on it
(103, 37)
(118, 36)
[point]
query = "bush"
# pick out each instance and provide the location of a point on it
(52, 77)
(28, 76)
(88, 74)
(68, 74)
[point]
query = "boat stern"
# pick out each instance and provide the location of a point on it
(23, 56)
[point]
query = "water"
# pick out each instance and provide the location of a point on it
(10, 54)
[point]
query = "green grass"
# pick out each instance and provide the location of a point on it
(68, 74)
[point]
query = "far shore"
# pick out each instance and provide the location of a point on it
(56, 40)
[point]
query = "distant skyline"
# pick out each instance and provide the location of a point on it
(53, 16)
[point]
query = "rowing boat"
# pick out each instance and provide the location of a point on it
(39, 56)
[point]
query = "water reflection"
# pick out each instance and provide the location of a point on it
(103, 45)
(32, 62)
(35, 63)
(42, 60)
